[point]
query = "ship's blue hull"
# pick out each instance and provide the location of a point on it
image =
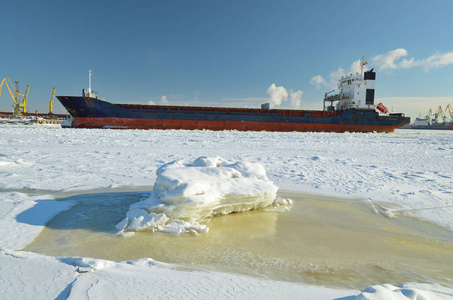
(94, 113)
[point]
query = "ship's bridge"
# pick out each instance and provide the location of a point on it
(354, 91)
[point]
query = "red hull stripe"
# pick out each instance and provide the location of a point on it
(126, 123)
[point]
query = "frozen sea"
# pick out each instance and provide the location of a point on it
(404, 179)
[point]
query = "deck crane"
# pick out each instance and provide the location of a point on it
(19, 108)
(52, 98)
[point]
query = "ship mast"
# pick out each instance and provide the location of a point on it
(362, 63)
(89, 82)
(90, 92)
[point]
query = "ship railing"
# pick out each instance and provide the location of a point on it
(335, 97)
(330, 98)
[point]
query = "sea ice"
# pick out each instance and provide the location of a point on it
(186, 193)
(396, 168)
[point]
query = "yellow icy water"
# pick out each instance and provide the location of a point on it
(326, 241)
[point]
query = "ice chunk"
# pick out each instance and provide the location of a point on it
(185, 194)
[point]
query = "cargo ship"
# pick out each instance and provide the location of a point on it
(350, 109)
(436, 121)
(420, 123)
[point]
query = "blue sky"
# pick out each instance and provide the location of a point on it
(227, 53)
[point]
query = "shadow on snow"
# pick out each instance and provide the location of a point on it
(95, 211)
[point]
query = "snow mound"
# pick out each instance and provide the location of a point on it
(85, 264)
(407, 291)
(186, 193)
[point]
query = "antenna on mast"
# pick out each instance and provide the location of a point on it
(90, 93)
(362, 63)
(89, 82)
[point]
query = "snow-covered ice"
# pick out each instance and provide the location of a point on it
(408, 172)
(186, 193)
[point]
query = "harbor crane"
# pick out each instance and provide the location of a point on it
(52, 98)
(449, 109)
(438, 115)
(429, 116)
(19, 107)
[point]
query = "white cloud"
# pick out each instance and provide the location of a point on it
(434, 61)
(296, 98)
(388, 60)
(277, 94)
(356, 67)
(318, 81)
(335, 76)
(163, 100)
(391, 60)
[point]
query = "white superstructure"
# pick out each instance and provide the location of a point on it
(421, 122)
(354, 91)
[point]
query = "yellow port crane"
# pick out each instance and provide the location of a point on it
(52, 98)
(429, 116)
(439, 115)
(449, 110)
(19, 108)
